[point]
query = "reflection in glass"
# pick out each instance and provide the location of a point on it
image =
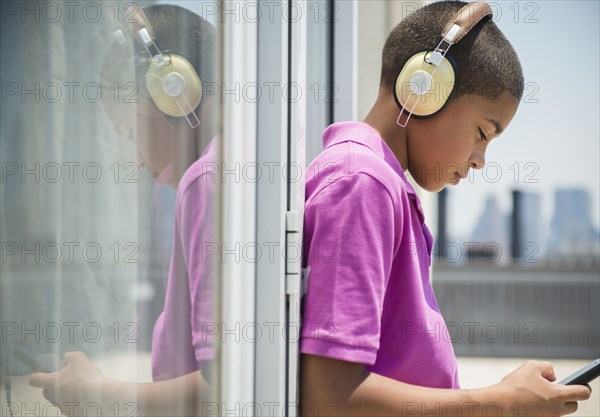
(107, 203)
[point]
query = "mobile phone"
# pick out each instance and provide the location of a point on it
(585, 375)
(24, 359)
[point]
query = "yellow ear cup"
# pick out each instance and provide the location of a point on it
(416, 77)
(174, 86)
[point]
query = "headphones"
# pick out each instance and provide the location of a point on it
(169, 79)
(427, 78)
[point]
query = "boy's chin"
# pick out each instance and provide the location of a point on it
(432, 187)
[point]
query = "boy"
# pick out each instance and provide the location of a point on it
(369, 339)
(173, 151)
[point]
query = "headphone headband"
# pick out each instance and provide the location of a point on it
(465, 19)
(138, 21)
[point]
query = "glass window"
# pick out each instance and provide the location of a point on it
(109, 206)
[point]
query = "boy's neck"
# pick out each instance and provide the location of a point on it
(383, 118)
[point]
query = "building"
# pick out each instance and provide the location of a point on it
(572, 233)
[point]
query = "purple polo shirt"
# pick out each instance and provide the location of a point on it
(183, 334)
(367, 252)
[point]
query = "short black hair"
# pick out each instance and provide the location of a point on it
(180, 31)
(487, 63)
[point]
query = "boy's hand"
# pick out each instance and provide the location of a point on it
(76, 386)
(530, 390)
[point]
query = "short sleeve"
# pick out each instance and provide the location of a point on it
(349, 248)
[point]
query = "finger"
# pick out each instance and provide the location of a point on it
(43, 380)
(575, 392)
(569, 408)
(71, 357)
(39, 380)
(547, 370)
(65, 359)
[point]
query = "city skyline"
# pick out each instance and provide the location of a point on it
(569, 232)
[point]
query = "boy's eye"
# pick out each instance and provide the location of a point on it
(483, 136)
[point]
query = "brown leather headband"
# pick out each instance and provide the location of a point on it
(136, 19)
(466, 18)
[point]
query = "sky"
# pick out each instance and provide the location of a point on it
(553, 141)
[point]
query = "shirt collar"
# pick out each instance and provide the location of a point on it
(363, 134)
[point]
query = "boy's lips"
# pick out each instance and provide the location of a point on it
(457, 178)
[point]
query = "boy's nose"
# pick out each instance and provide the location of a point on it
(477, 161)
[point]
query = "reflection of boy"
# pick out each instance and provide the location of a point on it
(163, 152)
(372, 337)
(179, 344)
(179, 350)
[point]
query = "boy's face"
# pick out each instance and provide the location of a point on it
(148, 129)
(442, 149)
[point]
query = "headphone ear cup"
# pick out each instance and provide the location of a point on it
(415, 78)
(173, 84)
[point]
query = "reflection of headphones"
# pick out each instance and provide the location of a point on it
(427, 79)
(170, 80)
